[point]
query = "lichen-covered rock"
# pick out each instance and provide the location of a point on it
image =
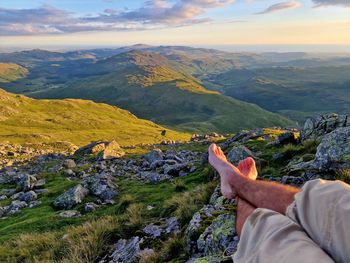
(219, 237)
(90, 207)
(320, 125)
(72, 197)
(104, 150)
(171, 226)
(238, 153)
(334, 150)
(26, 182)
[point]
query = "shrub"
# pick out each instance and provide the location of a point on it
(125, 201)
(344, 175)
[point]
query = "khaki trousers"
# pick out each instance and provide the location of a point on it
(316, 228)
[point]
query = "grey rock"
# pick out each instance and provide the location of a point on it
(102, 186)
(126, 251)
(154, 155)
(16, 206)
(40, 183)
(238, 153)
(28, 196)
(318, 126)
(90, 207)
(172, 226)
(69, 214)
(3, 197)
(8, 192)
(286, 138)
(27, 182)
(72, 197)
(153, 231)
(219, 237)
(34, 203)
(69, 164)
(112, 150)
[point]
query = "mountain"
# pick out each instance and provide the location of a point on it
(149, 85)
(23, 119)
(294, 91)
(11, 72)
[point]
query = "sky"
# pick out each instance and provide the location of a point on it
(34, 23)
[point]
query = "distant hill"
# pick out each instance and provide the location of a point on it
(10, 72)
(23, 119)
(149, 85)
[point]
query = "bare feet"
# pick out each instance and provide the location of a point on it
(218, 160)
(248, 168)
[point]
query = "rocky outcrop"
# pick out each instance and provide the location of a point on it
(238, 153)
(103, 149)
(72, 197)
(102, 186)
(320, 125)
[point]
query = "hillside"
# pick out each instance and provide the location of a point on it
(148, 85)
(295, 92)
(23, 119)
(11, 72)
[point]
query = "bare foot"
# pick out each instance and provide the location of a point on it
(248, 168)
(218, 160)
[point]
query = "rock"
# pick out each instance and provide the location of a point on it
(90, 207)
(40, 183)
(69, 164)
(153, 231)
(238, 153)
(3, 197)
(27, 182)
(8, 192)
(174, 170)
(72, 197)
(153, 177)
(28, 196)
(333, 153)
(204, 158)
(112, 150)
(286, 138)
(320, 125)
(102, 186)
(154, 155)
(126, 251)
(69, 214)
(16, 206)
(219, 237)
(34, 203)
(104, 150)
(172, 226)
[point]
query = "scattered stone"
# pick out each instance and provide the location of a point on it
(238, 153)
(90, 207)
(27, 182)
(153, 231)
(126, 251)
(28, 196)
(3, 197)
(172, 226)
(72, 197)
(69, 214)
(104, 150)
(69, 164)
(16, 206)
(34, 203)
(286, 138)
(102, 186)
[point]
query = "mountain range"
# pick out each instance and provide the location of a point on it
(191, 89)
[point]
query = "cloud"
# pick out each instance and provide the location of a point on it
(280, 6)
(152, 14)
(345, 3)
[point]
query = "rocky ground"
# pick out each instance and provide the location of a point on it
(177, 224)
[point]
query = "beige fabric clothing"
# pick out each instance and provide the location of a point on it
(316, 223)
(270, 237)
(322, 209)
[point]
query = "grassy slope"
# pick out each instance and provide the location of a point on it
(152, 89)
(10, 72)
(297, 92)
(27, 120)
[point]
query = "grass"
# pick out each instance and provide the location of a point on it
(39, 235)
(11, 72)
(343, 175)
(24, 120)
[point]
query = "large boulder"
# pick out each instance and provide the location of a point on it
(104, 150)
(238, 153)
(333, 152)
(320, 125)
(72, 197)
(154, 155)
(219, 237)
